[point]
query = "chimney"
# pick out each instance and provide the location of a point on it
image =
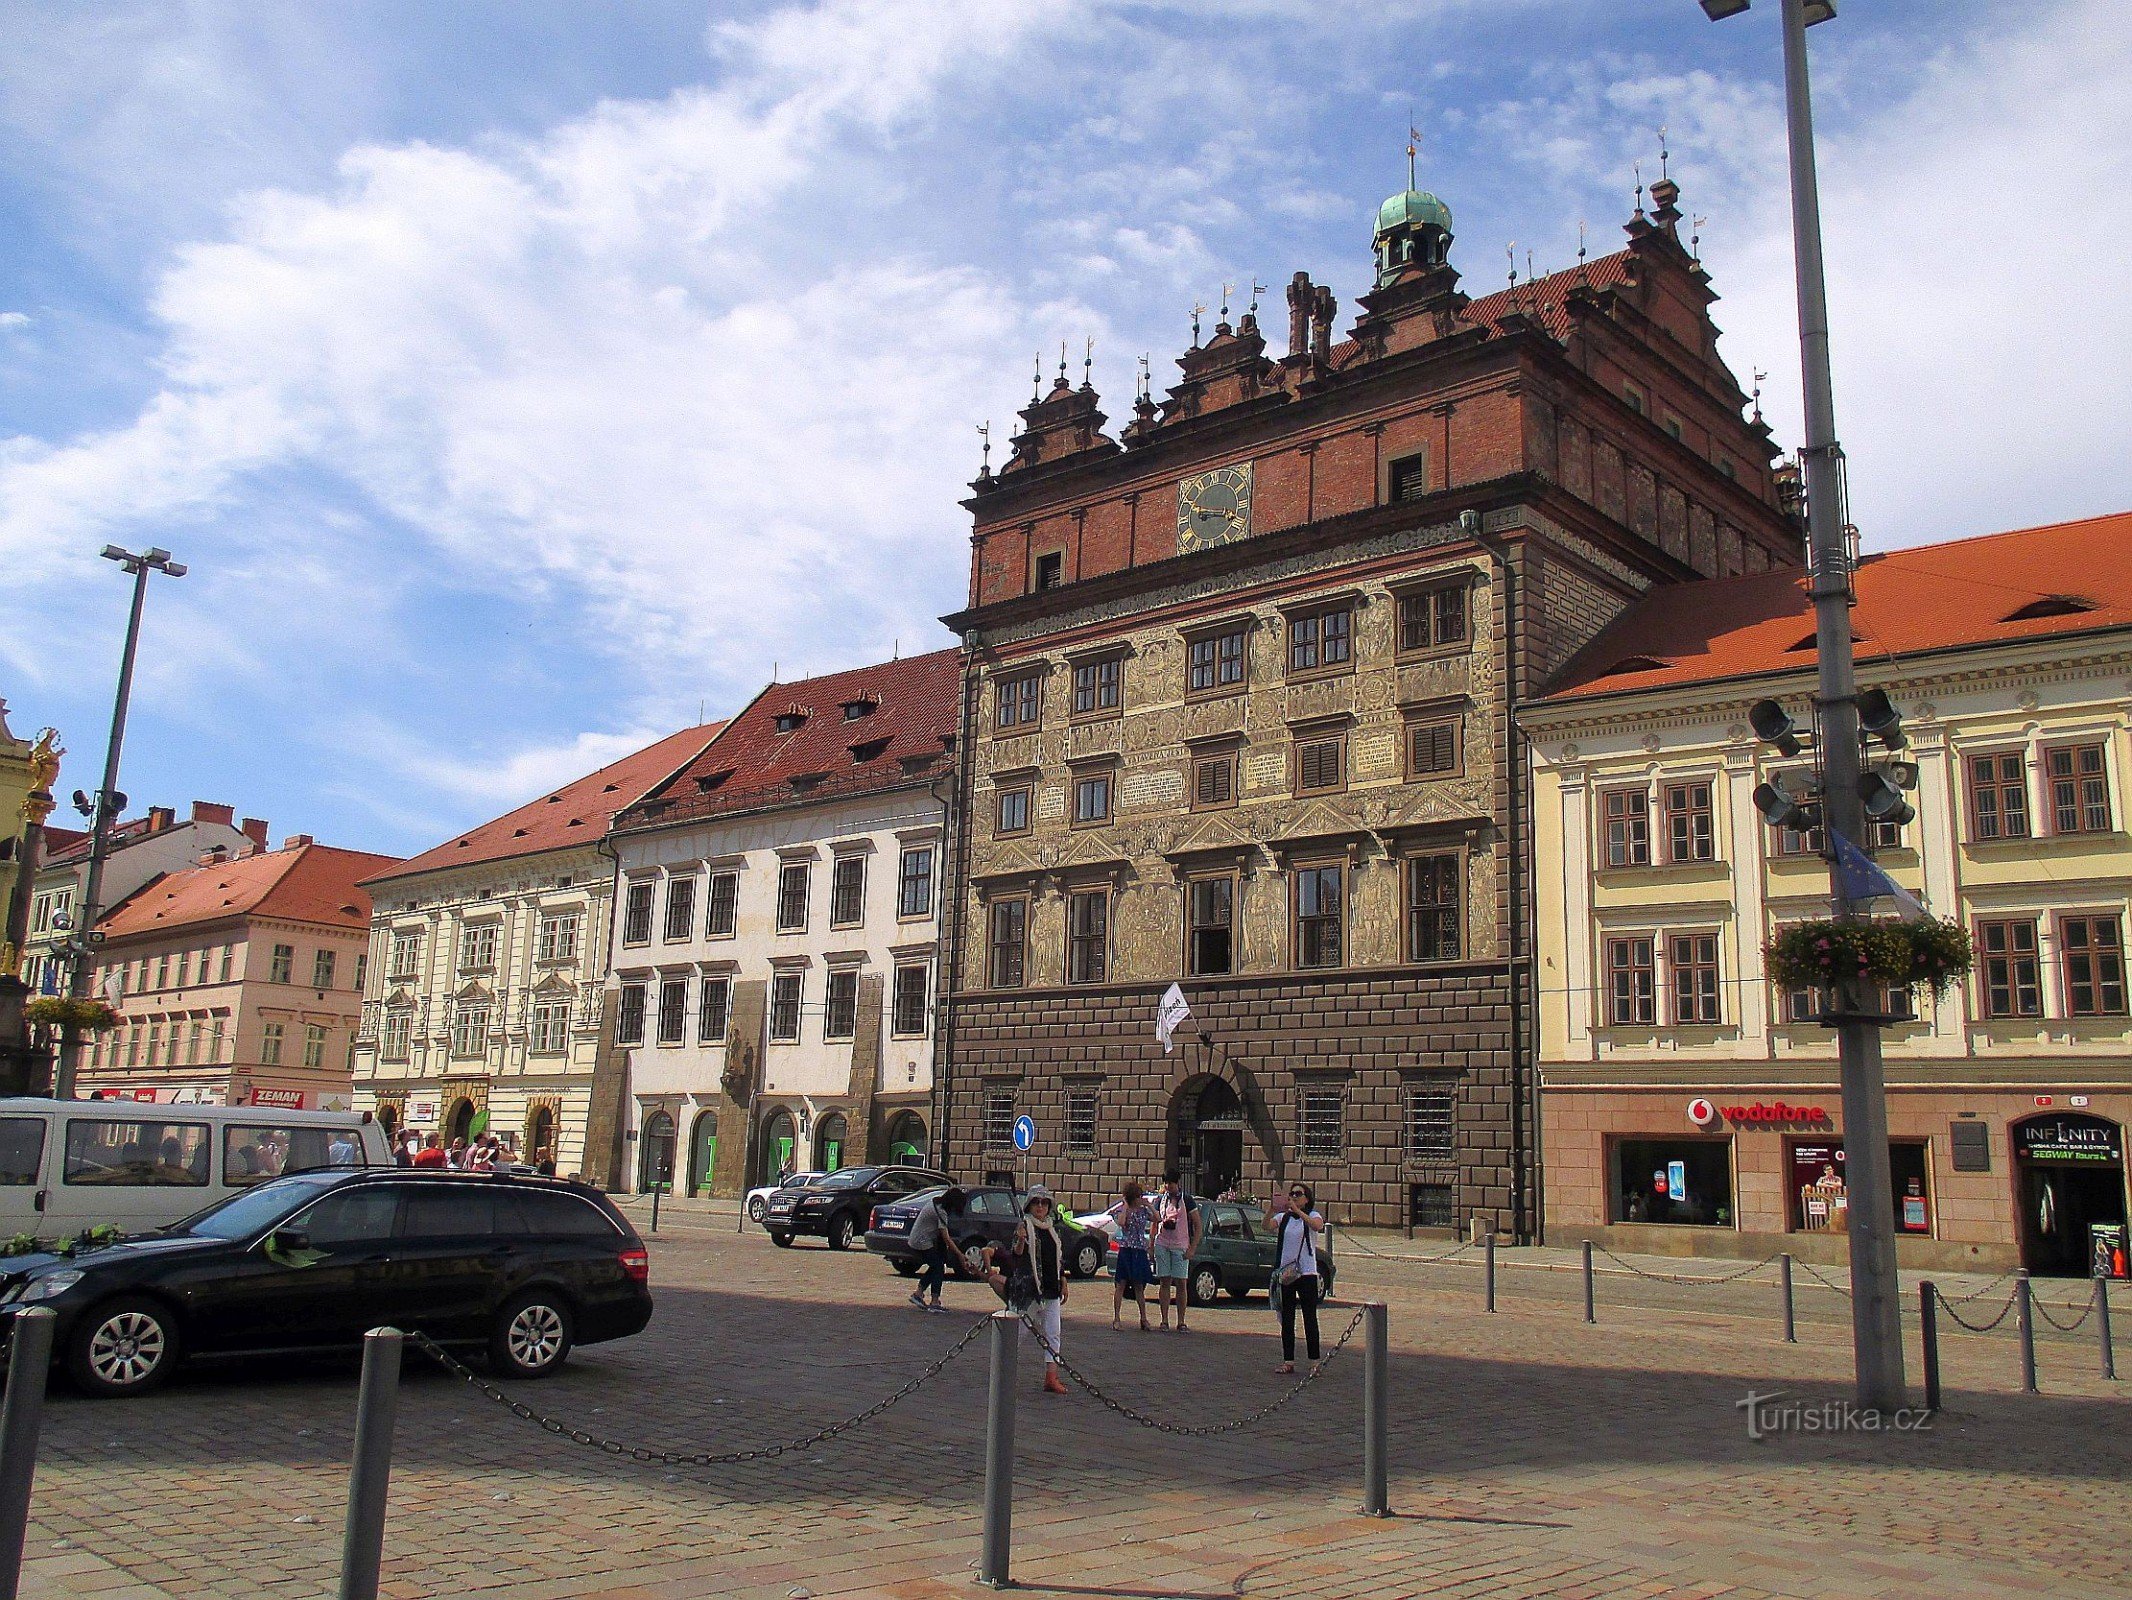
(208, 811)
(160, 817)
(1665, 194)
(296, 841)
(1299, 293)
(255, 829)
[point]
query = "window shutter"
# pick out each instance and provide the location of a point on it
(1319, 765)
(1435, 747)
(1213, 782)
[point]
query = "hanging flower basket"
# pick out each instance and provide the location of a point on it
(1894, 954)
(57, 1011)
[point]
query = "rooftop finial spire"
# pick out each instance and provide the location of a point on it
(1413, 149)
(1580, 244)
(1639, 188)
(1062, 361)
(1036, 384)
(1759, 375)
(1088, 361)
(1198, 307)
(984, 432)
(1227, 289)
(1695, 239)
(1257, 289)
(1147, 385)
(1664, 155)
(1511, 250)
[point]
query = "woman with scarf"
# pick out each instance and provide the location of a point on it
(1036, 1278)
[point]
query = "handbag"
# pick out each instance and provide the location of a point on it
(1294, 1269)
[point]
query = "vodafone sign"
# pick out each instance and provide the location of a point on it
(1756, 1114)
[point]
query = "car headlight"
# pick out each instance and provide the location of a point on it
(48, 1287)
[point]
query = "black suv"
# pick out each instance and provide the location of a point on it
(989, 1215)
(523, 1267)
(836, 1208)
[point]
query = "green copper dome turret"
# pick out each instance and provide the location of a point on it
(1413, 209)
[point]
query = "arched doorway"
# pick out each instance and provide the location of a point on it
(779, 1151)
(702, 1153)
(540, 1134)
(658, 1154)
(389, 1120)
(906, 1138)
(830, 1136)
(460, 1124)
(2069, 1174)
(1207, 1123)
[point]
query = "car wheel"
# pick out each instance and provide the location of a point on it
(123, 1347)
(1088, 1258)
(905, 1268)
(1205, 1285)
(532, 1337)
(841, 1229)
(758, 1207)
(781, 1238)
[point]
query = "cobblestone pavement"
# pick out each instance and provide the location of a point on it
(1532, 1455)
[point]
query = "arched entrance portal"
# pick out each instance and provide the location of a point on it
(540, 1134)
(830, 1137)
(2069, 1174)
(389, 1120)
(906, 1138)
(1207, 1123)
(658, 1151)
(703, 1153)
(461, 1123)
(779, 1150)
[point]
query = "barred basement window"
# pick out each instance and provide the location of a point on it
(1323, 1130)
(1432, 1118)
(999, 1118)
(841, 1019)
(1432, 1205)
(1081, 1120)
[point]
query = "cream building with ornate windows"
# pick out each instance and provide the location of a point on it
(776, 944)
(485, 1004)
(1687, 1104)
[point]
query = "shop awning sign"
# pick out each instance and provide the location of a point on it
(2070, 1141)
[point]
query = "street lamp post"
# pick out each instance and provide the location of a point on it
(104, 809)
(1876, 1304)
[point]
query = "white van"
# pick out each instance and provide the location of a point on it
(67, 1165)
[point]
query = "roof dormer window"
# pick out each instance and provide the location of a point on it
(2050, 605)
(791, 721)
(864, 706)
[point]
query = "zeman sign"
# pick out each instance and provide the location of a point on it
(2069, 1140)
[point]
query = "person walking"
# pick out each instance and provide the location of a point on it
(431, 1155)
(1036, 1279)
(1297, 1229)
(931, 1237)
(1176, 1241)
(1134, 1270)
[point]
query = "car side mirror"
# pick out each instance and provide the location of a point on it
(289, 1239)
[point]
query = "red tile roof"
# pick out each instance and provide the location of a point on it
(575, 814)
(76, 847)
(1545, 299)
(2068, 577)
(309, 883)
(58, 842)
(907, 734)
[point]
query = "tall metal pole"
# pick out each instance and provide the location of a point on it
(63, 1078)
(1876, 1311)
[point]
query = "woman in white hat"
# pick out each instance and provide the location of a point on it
(1036, 1278)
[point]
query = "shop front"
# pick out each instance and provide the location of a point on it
(1983, 1180)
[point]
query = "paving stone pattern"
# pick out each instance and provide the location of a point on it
(1532, 1455)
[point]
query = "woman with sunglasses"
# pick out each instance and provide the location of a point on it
(1298, 1227)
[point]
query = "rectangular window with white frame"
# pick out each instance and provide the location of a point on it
(1691, 825)
(1631, 980)
(1625, 816)
(907, 1012)
(636, 912)
(549, 1033)
(270, 1042)
(786, 992)
(314, 1045)
(1691, 956)
(847, 891)
(714, 1010)
(280, 969)
(2091, 956)
(396, 1037)
(558, 936)
(2078, 783)
(470, 1029)
(322, 965)
(914, 882)
(477, 948)
(406, 953)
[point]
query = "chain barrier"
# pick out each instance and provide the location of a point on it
(1974, 1294)
(679, 1458)
(1980, 1327)
(2044, 1307)
(1349, 1241)
(1809, 1269)
(1694, 1280)
(1185, 1430)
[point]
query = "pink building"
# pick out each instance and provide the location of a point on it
(239, 979)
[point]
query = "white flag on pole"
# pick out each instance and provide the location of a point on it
(114, 987)
(1170, 1011)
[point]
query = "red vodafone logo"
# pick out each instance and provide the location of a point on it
(1701, 1112)
(1767, 1114)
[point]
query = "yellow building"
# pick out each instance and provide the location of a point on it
(1690, 1106)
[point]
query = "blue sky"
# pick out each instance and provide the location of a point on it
(518, 378)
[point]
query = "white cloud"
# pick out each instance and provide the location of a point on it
(14, 321)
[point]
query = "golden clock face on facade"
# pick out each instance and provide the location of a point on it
(1214, 508)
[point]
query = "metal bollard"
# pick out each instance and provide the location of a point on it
(1376, 1404)
(21, 1416)
(2102, 1327)
(656, 1189)
(1791, 1325)
(1928, 1318)
(993, 1559)
(1591, 1309)
(2025, 1310)
(370, 1474)
(1488, 1259)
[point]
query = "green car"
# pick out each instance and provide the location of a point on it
(1236, 1251)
